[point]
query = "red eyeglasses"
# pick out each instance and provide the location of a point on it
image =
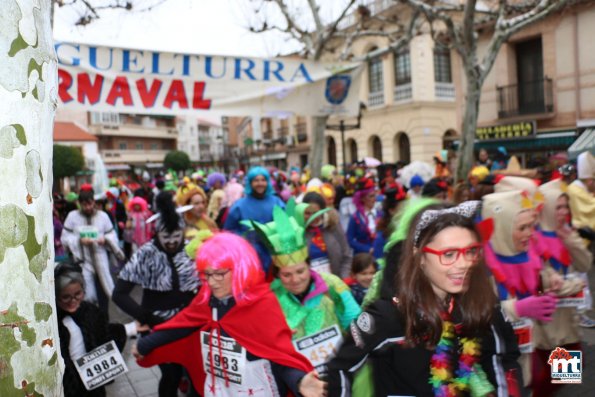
(450, 255)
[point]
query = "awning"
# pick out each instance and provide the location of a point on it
(117, 167)
(555, 141)
(155, 165)
(275, 156)
(585, 142)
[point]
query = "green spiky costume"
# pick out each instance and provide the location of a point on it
(329, 301)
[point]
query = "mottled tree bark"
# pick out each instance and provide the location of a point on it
(30, 362)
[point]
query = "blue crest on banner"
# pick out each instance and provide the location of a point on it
(337, 88)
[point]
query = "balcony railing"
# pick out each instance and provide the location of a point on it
(131, 130)
(132, 156)
(534, 97)
(302, 132)
(282, 131)
(445, 91)
(403, 92)
(376, 98)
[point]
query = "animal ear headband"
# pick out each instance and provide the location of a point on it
(466, 209)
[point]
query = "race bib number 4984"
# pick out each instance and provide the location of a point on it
(101, 365)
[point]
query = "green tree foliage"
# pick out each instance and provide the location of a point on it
(67, 161)
(177, 160)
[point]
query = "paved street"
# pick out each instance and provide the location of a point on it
(138, 382)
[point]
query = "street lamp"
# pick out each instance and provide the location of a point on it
(347, 127)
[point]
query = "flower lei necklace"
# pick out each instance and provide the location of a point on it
(469, 376)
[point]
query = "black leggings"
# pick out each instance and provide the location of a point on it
(170, 379)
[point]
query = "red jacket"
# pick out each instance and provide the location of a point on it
(258, 325)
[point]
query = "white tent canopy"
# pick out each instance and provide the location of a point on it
(585, 142)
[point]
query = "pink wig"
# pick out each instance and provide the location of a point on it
(228, 251)
(358, 199)
(137, 201)
(233, 192)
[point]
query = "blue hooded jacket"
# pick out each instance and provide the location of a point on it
(254, 209)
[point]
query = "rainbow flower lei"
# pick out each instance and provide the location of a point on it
(468, 377)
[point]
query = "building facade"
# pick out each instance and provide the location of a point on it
(540, 94)
(538, 98)
(127, 141)
(410, 99)
(282, 143)
(188, 137)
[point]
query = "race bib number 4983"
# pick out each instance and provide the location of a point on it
(223, 357)
(101, 365)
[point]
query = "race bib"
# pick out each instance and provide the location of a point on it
(523, 330)
(577, 300)
(228, 359)
(90, 232)
(101, 365)
(321, 265)
(320, 347)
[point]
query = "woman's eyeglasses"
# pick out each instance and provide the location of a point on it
(215, 276)
(450, 255)
(69, 298)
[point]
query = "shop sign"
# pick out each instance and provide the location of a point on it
(522, 129)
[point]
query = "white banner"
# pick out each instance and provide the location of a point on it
(109, 79)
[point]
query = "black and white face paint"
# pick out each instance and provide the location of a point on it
(170, 241)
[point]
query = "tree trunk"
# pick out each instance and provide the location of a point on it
(30, 361)
(317, 146)
(466, 158)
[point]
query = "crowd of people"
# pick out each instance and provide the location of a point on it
(375, 283)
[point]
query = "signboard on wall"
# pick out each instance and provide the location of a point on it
(110, 79)
(522, 129)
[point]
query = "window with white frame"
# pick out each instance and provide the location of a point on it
(442, 69)
(375, 75)
(402, 67)
(105, 118)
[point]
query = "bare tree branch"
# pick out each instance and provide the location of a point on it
(415, 24)
(462, 27)
(90, 10)
(332, 30)
(315, 9)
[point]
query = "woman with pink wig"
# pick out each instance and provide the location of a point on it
(138, 231)
(233, 338)
(361, 231)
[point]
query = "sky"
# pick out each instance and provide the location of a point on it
(214, 27)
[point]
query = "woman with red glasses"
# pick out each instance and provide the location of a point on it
(442, 334)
